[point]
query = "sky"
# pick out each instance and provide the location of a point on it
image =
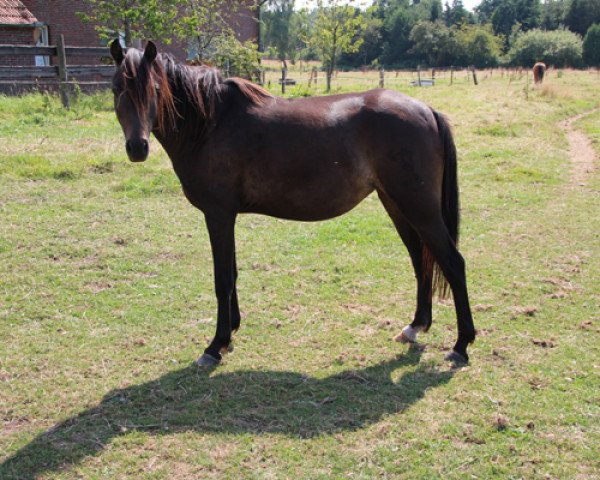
(469, 4)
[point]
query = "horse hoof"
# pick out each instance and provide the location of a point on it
(207, 360)
(456, 358)
(404, 339)
(408, 335)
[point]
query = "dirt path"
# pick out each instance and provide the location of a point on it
(582, 153)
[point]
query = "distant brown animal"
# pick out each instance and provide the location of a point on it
(238, 149)
(539, 69)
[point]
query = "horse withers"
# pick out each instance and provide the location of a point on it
(238, 149)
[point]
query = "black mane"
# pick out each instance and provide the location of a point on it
(202, 87)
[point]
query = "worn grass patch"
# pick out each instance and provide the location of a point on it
(106, 298)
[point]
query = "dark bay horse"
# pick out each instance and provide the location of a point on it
(238, 149)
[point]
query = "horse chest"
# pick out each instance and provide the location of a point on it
(207, 190)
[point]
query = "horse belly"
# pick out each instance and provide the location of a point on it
(307, 191)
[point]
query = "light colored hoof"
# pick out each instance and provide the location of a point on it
(408, 335)
(403, 339)
(207, 360)
(456, 358)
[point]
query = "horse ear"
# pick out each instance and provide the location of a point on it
(117, 51)
(150, 52)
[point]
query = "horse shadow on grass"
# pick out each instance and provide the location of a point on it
(191, 399)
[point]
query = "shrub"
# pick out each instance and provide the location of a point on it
(559, 48)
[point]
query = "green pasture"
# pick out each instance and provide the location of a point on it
(106, 299)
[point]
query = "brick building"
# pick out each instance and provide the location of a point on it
(18, 26)
(41, 21)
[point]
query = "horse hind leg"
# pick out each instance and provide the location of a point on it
(434, 250)
(438, 241)
(423, 267)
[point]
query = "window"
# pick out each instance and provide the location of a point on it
(41, 40)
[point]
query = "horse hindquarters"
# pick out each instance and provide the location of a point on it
(428, 205)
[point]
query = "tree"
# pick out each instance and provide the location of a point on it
(279, 28)
(528, 13)
(479, 45)
(553, 14)
(371, 46)
(591, 46)
(582, 14)
(435, 43)
(131, 19)
(507, 14)
(503, 18)
(486, 9)
(456, 14)
(207, 26)
(436, 10)
(336, 30)
(397, 28)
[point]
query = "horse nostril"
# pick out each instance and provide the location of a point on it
(145, 145)
(128, 146)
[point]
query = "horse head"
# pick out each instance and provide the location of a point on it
(142, 96)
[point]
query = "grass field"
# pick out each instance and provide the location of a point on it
(106, 298)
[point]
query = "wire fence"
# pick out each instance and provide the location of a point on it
(368, 78)
(307, 77)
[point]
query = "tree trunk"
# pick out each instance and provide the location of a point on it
(128, 38)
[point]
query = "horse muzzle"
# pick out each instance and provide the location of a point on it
(137, 150)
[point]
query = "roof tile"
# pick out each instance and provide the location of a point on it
(13, 12)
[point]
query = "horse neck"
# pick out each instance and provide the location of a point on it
(189, 129)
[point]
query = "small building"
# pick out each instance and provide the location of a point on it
(19, 26)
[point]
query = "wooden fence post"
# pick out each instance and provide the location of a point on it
(63, 87)
(381, 78)
(283, 79)
(419, 74)
(451, 75)
(474, 76)
(313, 76)
(432, 76)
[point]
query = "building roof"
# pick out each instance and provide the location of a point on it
(13, 12)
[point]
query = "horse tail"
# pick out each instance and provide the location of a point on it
(450, 205)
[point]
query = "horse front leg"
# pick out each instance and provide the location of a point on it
(236, 317)
(222, 242)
